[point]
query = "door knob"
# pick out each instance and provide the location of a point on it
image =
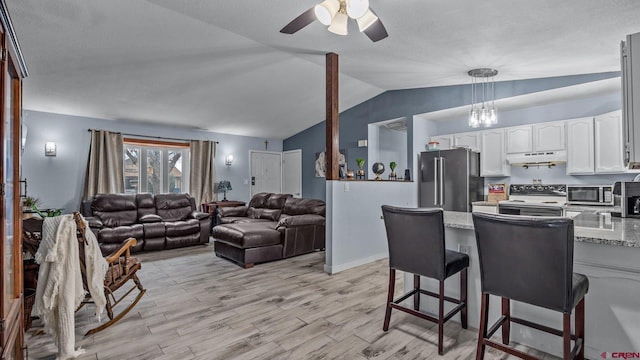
(253, 180)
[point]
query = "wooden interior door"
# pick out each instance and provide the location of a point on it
(12, 70)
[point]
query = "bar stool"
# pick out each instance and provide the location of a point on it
(529, 259)
(416, 245)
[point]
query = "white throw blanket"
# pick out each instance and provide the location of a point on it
(60, 291)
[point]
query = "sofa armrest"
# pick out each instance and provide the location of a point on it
(94, 222)
(198, 215)
(232, 211)
(300, 220)
(150, 218)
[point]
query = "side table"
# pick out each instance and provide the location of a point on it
(212, 208)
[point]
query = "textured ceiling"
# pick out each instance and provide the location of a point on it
(224, 66)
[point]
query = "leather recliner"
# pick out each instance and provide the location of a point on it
(157, 222)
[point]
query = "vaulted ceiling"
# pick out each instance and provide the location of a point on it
(223, 65)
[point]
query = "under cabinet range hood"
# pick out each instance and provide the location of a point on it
(630, 63)
(544, 158)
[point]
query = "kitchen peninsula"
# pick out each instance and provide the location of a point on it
(606, 250)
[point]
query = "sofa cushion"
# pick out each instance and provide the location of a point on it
(173, 207)
(115, 209)
(146, 205)
(150, 218)
(248, 235)
(295, 206)
(120, 233)
(259, 200)
(300, 220)
(262, 213)
(179, 228)
(277, 201)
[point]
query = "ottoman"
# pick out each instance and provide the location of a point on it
(248, 243)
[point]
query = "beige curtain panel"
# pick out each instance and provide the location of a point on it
(105, 167)
(203, 170)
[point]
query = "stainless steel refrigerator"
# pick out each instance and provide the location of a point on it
(450, 179)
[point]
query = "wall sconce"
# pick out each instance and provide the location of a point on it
(50, 148)
(362, 143)
(228, 160)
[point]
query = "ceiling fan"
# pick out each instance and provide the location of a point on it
(336, 13)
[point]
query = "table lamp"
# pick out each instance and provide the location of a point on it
(223, 187)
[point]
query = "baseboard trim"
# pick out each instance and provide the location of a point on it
(333, 269)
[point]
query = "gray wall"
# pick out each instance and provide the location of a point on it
(59, 181)
(406, 103)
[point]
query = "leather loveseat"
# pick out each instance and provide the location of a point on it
(157, 222)
(271, 227)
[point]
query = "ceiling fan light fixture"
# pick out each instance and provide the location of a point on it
(339, 24)
(326, 11)
(357, 8)
(366, 20)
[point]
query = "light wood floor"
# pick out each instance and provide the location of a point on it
(199, 306)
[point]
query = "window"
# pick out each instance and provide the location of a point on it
(155, 167)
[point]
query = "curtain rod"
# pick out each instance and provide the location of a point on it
(154, 137)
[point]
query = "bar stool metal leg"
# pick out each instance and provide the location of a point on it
(441, 318)
(416, 288)
(392, 285)
(482, 330)
(579, 325)
(463, 297)
(506, 326)
(566, 336)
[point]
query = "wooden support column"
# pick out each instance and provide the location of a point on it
(333, 131)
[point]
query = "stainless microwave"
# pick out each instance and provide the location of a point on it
(590, 194)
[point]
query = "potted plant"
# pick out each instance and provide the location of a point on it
(29, 203)
(392, 166)
(360, 162)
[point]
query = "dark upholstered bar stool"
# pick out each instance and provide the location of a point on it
(529, 259)
(416, 245)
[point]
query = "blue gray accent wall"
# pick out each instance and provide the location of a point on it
(59, 181)
(406, 103)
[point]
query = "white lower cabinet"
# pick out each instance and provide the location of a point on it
(493, 155)
(580, 152)
(609, 143)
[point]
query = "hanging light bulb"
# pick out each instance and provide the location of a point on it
(326, 11)
(473, 118)
(357, 8)
(493, 116)
(339, 24)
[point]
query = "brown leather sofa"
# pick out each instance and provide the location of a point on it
(271, 227)
(157, 222)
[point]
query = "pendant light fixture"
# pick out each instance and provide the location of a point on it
(483, 110)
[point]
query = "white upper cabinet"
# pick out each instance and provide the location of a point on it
(470, 140)
(609, 144)
(446, 141)
(519, 139)
(493, 159)
(536, 138)
(548, 136)
(580, 147)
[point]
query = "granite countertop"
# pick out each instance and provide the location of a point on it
(592, 208)
(484, 203)
(590, 226)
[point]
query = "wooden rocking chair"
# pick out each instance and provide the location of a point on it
(122, 268)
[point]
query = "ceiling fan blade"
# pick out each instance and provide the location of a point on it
(298, 23)
(376, 31)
